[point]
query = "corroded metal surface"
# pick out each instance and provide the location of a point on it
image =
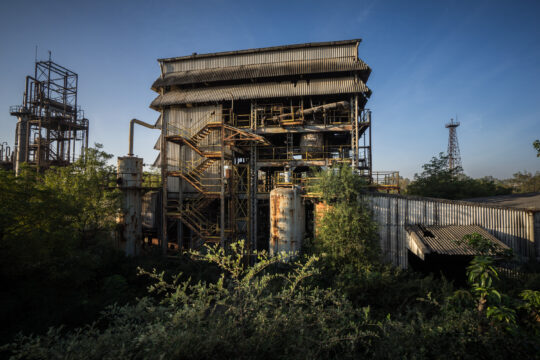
(287, 220)
(129, 180)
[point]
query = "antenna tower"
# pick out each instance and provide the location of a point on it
(454, 157)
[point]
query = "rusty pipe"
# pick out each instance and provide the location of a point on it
(131, 126)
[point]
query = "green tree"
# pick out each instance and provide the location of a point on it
(524, 182)
(56, 232)
(439, 181)
(536, 145)
(89, 187)
(346, 233)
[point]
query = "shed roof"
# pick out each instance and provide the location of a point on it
(443, 240)
(344, 85)
(530, 201)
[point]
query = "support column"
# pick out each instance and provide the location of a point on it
(222, 190)
(21, 143)
(252, 197)
(164, 171)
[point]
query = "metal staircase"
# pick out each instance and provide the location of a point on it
(192, 211)
(191, 214)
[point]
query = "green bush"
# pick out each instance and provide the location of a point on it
(272, 310)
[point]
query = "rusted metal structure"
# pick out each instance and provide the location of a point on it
(6, 156)
(287, 220)
(129, 180)
(51, 128)
(235, 125)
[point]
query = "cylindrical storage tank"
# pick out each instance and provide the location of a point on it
(129, 180)
(287, 220)
(312, 145)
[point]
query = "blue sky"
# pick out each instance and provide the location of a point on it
(431, 60)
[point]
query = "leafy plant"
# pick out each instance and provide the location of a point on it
(346, 235)
(439, 181)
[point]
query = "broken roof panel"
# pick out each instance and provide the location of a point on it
(444, 240)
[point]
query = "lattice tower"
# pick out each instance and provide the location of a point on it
(454, 157)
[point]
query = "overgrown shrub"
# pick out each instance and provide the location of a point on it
(272, 310)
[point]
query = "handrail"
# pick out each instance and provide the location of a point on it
(194, 128)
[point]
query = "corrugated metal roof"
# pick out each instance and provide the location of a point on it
(345, 85)
(260, 57)
(252, 71)
(524, 201)
(265, 49)
(443, 240)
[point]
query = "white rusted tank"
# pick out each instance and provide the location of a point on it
(287, 220)
(129, 180)
(312, 145)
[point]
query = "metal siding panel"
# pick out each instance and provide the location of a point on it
(332, 65)
(343, 85)
(514, 227)
(536, 232)
(334, 51)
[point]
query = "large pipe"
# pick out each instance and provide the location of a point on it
(131, 126)
(315, 109)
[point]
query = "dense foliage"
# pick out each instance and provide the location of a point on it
(57, 263)
(337, 301)
(524, 182)
(439, 181)
(277, 310)
(346, 235)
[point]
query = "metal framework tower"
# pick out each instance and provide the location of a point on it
(454, 157)
(51, 127)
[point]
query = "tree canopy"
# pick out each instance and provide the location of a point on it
(439, 181)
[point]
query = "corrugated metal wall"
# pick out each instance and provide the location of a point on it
(342, 85)
(517, 228)
(310, 53)
(185, 118)
(332, 65)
